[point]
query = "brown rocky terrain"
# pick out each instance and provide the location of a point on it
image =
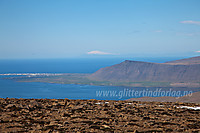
(63, 115)
(185, 70)
(194, 98)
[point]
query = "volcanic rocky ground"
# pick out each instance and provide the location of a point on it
(64, 115)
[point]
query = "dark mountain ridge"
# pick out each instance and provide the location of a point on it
(186, 61)
(185, 70)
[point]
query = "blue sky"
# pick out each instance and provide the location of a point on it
(99, 28)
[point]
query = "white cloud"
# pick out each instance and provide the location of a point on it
(98, 52)
(189, 33)
(198, 51)
(158, 31)
(190, 22)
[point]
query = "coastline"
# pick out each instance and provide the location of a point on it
(83, 79)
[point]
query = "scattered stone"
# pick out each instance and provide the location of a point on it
(64, 115)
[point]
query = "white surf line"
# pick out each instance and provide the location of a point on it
(32, 74)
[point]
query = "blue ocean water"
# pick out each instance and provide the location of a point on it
(13, 89)
(73, 65)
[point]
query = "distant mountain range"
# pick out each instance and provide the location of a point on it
(184, 70)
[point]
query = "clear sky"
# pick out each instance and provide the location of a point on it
(89, 28)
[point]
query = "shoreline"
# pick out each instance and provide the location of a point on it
(190, 98)
(83, 79)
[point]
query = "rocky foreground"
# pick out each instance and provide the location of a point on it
(63, 115)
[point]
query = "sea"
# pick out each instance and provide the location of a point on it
(13, 89)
